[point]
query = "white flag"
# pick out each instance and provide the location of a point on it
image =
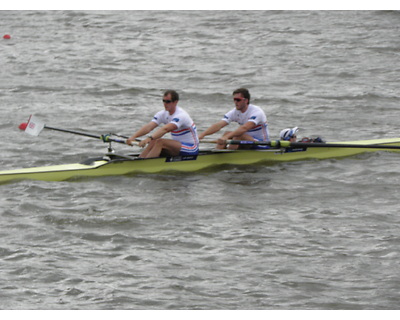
(34, 126)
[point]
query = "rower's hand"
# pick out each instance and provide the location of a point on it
(129, 141)
(221, 142)
(144, 142)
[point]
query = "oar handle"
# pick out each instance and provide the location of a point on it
(107, 138)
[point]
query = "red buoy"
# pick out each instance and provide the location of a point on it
(6, 36)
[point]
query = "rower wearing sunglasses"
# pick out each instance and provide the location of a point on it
(252, 121)
(177, 121)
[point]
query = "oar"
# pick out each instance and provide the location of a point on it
(287, 144)
(34, 127)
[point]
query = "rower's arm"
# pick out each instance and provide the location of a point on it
(142, 131)
(214, 128)
(163, 130)
(241, 130)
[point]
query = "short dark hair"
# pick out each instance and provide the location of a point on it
(173, 93)
(244, 92)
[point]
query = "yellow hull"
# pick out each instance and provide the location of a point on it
(121, 166)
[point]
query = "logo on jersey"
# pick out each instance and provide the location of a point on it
(175, 119)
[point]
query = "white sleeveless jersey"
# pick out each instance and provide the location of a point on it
(254, 114)
(186, 131)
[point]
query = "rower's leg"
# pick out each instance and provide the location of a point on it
(224, 137)
(146, 151)
(170, 147)
(242, 137)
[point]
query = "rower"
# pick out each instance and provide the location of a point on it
(177, 121)
(252, 121)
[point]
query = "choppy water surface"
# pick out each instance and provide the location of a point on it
(307, 235)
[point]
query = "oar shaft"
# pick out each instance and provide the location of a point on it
(287, 144)
(104, 138)
(74, 132)
(339, 145)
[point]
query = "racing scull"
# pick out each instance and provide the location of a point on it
(112, 164)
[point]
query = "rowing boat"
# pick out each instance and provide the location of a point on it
(112, 164)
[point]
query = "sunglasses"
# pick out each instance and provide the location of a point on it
(167, 101)
(238, 100)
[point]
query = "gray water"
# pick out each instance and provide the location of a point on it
(304, 235)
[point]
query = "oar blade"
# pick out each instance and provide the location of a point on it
(34, 126)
